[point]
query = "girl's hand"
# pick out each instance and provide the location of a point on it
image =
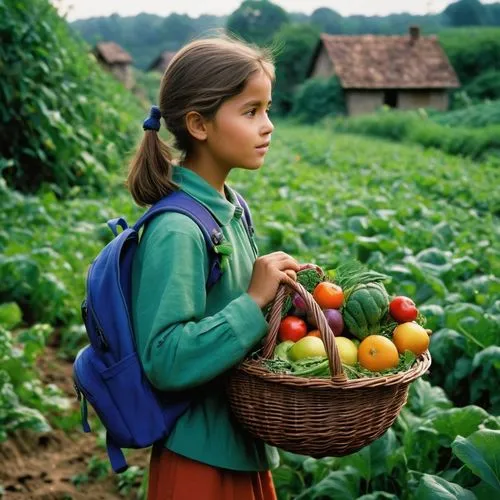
(268, 273)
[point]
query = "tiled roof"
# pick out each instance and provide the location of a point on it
(373, 61)
(161, 62)
(112, 53)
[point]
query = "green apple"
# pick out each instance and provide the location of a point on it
(307, 347)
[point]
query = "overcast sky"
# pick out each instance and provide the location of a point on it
(81, 9)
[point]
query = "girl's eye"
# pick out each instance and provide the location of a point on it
(252, 112)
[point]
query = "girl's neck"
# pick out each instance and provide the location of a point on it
(212, 173)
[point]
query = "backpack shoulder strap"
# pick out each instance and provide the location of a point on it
(247, 219)
(181, 202)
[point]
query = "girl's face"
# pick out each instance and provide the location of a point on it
(240, 133)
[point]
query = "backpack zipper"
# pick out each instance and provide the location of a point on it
(100, 333)
(82, 399)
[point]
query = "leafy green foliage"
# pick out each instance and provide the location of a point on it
(317, 98)
(419, 457)
(145, 36)
(416, 127)
(475, 116)
(471, 51)
(294, 45)
(63, 120)
(10, 315)
(484, 86)
(466, 13)
(257, 21)
(129, 479)
(479, 452)
(24, 402)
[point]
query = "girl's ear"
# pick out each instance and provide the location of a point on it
(196, 125)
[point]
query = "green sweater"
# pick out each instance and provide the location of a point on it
(188, 339)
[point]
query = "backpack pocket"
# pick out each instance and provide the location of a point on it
(124, 400)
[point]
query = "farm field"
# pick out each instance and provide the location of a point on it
(427, 219)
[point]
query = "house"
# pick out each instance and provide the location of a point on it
(116, 60)
(162, 61)
(409, 71)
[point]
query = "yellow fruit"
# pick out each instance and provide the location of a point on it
(307, 347)
(377, 353)
(348, 350)
(410, 337)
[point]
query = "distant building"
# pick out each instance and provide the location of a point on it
(402, 72)
(161, 62)
(116, 60)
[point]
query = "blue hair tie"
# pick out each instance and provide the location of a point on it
(152, 122)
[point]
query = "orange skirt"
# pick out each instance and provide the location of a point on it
(174, 477)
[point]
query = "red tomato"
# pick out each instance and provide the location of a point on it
(403, 309)
(292, 328)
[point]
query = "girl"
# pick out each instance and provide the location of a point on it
(214, 98)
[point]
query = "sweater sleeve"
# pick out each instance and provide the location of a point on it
(179, 346)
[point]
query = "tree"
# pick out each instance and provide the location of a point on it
(177, 29)
(327, 20)
(295, 44)
(494, 13)
(466, 13)
(257, 21)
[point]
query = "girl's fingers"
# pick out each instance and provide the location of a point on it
(291, 274)
(288, 263)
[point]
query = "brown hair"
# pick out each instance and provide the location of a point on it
(200, 77)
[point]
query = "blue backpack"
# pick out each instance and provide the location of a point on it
(107, 373)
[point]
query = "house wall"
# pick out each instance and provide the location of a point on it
(366, 101)
(123, 72)
(359, 102)
(323, 66)
(410, 99)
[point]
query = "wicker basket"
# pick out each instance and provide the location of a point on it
(314, 416)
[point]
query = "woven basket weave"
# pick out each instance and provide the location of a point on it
(318, 417)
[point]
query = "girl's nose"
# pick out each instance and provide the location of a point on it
(268, 126)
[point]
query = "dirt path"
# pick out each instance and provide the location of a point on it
(42, 466)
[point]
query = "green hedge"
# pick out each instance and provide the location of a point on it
(63, 120)
(479, 115)
(472, 51)
(417, 127)
(317, 98)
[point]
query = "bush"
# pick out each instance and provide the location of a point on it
(472, 51)
(476, 116)
(294, 44)
(63, 120)
(317, 98)
(417, 127)
(485, 86)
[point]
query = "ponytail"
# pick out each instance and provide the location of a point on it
(150, 172)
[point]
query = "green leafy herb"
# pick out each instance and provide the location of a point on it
(352, 273)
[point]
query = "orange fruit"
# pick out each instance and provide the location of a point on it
(377, 353)
(314, 333)
(410, 337)
(328, 295)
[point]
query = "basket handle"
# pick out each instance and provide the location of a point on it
(327, 335)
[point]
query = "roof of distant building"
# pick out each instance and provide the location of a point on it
(374, 61)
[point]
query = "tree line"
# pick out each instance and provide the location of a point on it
(145, 36)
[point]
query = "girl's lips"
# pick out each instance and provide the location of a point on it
(263, 148)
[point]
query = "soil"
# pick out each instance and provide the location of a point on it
(41, 466)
